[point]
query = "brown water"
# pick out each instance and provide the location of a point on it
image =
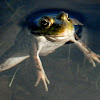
(72, 77)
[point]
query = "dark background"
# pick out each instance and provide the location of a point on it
(71, 75)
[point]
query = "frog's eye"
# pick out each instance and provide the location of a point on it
(62, 16)
(45, 22)
(68, 19)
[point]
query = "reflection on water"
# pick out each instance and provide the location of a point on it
(72, 76)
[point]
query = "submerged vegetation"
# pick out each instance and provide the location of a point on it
(85, 71)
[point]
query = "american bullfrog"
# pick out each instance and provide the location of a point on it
(40, 37)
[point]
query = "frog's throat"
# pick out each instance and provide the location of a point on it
(54, 38)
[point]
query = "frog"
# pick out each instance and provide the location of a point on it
(42, 36)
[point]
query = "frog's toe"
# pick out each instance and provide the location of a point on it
(1, 68)
(92, 62)
(43, 77)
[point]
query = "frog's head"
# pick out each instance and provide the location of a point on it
(54, 25)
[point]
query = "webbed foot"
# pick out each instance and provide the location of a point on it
(93, 57)
(43, 77)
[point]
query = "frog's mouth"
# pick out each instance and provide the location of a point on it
(56, 38)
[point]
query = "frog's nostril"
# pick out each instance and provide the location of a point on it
(62, 16)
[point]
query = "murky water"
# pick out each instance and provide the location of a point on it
(71, 75)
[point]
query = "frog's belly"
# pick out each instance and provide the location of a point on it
(49, 47)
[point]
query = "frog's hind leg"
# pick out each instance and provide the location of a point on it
(11, 58)
(90, 55)
(11, 62)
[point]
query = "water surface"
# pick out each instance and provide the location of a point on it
(71, 75)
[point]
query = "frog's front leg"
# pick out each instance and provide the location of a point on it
(41, 73)
(39, 68)
(90, 55)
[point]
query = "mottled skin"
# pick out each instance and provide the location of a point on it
(51, 33)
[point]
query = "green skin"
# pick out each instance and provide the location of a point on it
(58, 26)
(57, 29)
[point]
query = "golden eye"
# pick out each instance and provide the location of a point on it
(68, 19)
(62, 16)
(45, 22)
